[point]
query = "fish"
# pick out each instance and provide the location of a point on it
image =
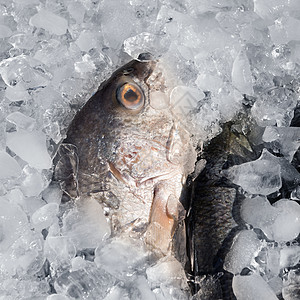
(214, 214)
(130, 156)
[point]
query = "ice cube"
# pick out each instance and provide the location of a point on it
(167, 272)
(5, 31)
(142, 286)
(289, 256)
(241, 74)
(17, 93)
(117, 293)
(31, 147)
(44, 216)
(244, 248)
(49, 21)
(77, 11)
(286, 226)
(89, 282)
(286, 140)
(59, 250)
(283, 31)
(21, 120)
(261, 176)
(86, 225)
(32, 182)
(13, 223)
(15, 196)
(52, 194)
(87, 40)
(118, 24)
(24, 70)
(184, 99)
(252, 287)
(269, 10)
(291, 290)
(287, 171)
(22, 41)
(121, 256)
(275, 107)
(144, 42)
(84, 66)
(8, 166)
(273, 257)
(259, 213)
(57, 297)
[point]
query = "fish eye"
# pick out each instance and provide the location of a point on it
(130, 96)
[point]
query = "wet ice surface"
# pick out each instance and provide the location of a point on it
(222, 57)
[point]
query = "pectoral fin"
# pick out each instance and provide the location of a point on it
(162, 221)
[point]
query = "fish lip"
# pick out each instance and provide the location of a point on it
(146, 56)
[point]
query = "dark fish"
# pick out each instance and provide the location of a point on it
(214, 215)
(130, 156)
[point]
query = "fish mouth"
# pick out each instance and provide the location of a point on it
(147, 56)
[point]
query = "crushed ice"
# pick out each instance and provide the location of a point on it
(224, 56)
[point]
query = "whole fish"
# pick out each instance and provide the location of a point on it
(130, 156)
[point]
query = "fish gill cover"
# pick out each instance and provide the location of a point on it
(232, 82)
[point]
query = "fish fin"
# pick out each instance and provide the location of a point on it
(66, 169)
(163, 217)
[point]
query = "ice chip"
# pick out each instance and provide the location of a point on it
(183, 101)
(286, 140)
(289, 256)
(244, 248)
(23, 72)
(241, 74)
(291, 288)
(33, 182)
(44, 216)
(89, 282)
(118, 24)
(167, 276)
(259, 213)
(286, 226)
(8, 166)
(117, 293)
(252, 287)
(275, 106)
(22, 41)
(85, 66)
(52, 194)
(144, 42)
(59, 250)
(121, 256)
(57, 297)
(87, 40)
(86, 225)
(269, 10)
(261, 176)
(21, 121)
(77, 11)
(17, 93)
(31, 147)
(49, 21)
(13, 223)
(283, 31)
(5, 31)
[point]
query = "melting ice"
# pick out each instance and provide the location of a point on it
(225, 57)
